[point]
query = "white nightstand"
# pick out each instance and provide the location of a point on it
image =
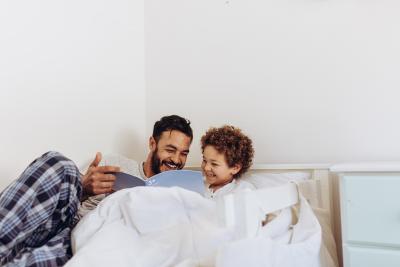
(370, 213)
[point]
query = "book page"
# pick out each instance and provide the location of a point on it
(190, 180)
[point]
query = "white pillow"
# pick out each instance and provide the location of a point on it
(262, 179)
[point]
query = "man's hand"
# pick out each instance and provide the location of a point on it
(98, 179)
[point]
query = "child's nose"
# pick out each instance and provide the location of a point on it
(207, 167)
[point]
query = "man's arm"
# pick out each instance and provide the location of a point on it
(97, 179)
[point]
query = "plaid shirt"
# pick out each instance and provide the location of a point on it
(37, 213)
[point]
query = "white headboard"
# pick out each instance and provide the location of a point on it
(318, 191)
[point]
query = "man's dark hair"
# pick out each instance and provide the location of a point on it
(171, 123)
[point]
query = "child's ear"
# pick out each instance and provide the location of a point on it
(152, 144)
(236, 168)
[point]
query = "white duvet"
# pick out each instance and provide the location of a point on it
(150, 226)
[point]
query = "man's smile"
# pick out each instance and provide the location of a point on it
(171, 165)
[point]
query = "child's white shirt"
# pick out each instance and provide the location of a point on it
(232, 187)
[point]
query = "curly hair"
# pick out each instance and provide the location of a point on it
(230, 141)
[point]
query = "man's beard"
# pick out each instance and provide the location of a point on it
(156, 163)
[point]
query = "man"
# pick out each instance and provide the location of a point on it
(168, 146)
(39, 209)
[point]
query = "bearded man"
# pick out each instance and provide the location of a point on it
(168, 150)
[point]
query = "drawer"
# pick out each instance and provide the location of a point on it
(371, 209)
(370, 257)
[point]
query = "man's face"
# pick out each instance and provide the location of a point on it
(171, 151)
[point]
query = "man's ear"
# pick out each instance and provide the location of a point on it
(236, 168)
(152, 144)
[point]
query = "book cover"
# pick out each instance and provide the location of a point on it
(187, 179)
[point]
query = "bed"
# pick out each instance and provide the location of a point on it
(107, 241)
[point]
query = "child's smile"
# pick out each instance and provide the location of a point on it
(215, 168)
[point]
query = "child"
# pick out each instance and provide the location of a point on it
(227, 154)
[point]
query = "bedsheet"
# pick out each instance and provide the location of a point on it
(150, 226)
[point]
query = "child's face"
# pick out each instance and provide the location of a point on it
(215, 168)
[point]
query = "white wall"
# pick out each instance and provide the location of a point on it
(309, 81)
(71, 79)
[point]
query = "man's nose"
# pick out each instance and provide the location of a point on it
(175, 158)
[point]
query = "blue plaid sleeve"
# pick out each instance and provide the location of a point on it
(37, 212)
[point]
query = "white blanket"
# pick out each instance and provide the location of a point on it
(150, 226)
(278, 244)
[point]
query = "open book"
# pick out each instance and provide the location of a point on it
(190, 180)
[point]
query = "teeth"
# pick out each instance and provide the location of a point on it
(170, 165)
